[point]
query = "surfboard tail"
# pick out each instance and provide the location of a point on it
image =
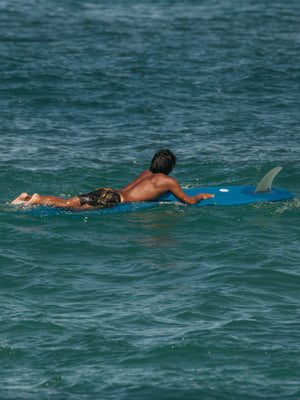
(265, 185)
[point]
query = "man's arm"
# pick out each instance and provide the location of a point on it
(176, 190)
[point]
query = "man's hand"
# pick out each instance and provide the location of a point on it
(204, 196)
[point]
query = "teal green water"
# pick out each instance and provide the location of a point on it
(168, 302)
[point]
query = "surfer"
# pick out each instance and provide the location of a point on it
(148, 186)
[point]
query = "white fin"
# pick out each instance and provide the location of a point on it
(265, 185)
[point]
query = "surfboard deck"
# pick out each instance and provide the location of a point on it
(237, 195)
(232, 195)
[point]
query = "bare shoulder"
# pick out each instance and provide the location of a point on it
(145, 173)
(162, 179)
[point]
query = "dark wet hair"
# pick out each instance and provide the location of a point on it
(163, 161)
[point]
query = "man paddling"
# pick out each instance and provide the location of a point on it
(148, 186)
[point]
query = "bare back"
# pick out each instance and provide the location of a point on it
(146, 187)
(149, 186)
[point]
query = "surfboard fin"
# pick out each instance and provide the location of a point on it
(265, 185)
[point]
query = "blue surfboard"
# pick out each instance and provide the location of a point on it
(223, 196)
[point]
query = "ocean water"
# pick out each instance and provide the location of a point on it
(169, 302)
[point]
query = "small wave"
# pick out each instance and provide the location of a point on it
(286, 206)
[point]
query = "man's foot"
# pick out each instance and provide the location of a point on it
(35, 199)
(23, 198)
